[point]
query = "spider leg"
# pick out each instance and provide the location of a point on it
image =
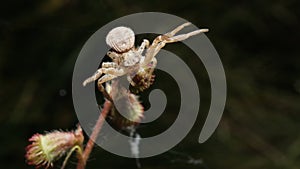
(173, 32)
(129, 78)
(111, 73)
(106, 78)
(109, 65)
(145, 44)
(99, 72)
(103, 79)
(152, 65)
(160, 41)
(96, 75)
(184, 36)
(151, 53)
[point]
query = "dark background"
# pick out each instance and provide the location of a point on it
(258, 43)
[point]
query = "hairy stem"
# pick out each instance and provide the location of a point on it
(81, 163)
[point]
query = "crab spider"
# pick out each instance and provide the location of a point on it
(128, 60)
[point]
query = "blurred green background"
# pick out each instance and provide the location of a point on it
(258, 42)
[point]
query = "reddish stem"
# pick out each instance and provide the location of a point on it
(81, 163)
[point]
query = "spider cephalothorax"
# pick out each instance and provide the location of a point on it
(137, 63)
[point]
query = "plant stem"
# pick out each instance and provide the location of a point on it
(81, 163)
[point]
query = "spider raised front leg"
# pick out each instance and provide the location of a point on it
(160, 41)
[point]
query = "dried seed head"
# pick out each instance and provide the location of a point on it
(128, 103)
(143, 80)
(133, 109)
(45, 149)
(120, 39)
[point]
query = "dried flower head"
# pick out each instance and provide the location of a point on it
(120, 39)
(127, 103)
(142, 80)
(47, 148)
